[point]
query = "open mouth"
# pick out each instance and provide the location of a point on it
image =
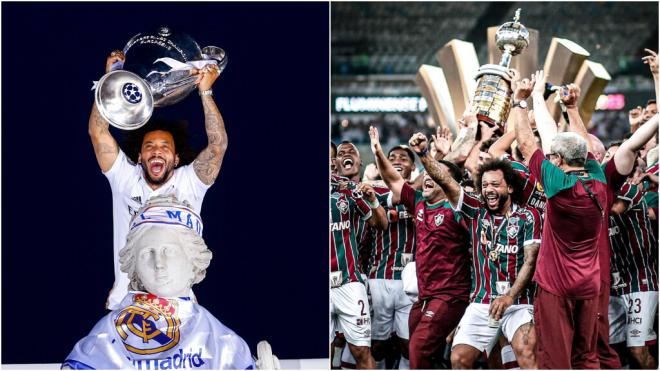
(347, 163)
(398, 168)
(156, 166)
(492, 200)
(428, 184)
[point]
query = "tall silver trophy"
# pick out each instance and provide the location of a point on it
(156, 73)
(492, 98)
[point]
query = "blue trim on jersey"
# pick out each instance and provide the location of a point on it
(75, 365)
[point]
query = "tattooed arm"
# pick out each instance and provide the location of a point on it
(208, 162)
(522, 281)
(452, 189)
(105, 146)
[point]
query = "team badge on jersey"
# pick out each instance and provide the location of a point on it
(149, 326)
(342, 205)
(512, 228)
(439, 219)
(485, 223)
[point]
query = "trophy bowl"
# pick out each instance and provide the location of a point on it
(124, 100)
(513, 36)
(160, 64)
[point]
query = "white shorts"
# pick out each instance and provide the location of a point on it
(349, 313)
(631, 318)
(473, 329)
(391, 308)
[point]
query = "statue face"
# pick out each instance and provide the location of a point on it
(162, 266)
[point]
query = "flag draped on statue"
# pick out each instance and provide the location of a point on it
(152, 333)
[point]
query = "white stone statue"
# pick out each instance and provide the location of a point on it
(157, 326)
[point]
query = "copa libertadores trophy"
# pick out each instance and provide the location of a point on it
(492, 98)
(156, 73)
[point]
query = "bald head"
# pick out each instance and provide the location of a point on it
(597, 147)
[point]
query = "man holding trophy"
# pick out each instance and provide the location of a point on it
(126, 100)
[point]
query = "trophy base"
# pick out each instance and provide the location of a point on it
(492, 97)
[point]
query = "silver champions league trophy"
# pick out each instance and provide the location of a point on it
(156, 73)
(502, 288)
(492, 98)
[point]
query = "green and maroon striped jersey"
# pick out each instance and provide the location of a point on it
(533, 195)
(344, 205)
(634, 248)
(389, 246)
(498, 244)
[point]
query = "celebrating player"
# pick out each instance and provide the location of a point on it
(441, 256)
(349, 305)
(391, 250)
(159, 169)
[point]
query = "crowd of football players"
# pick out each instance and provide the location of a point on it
(526, 245)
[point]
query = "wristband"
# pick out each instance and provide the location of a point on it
(423, 153)
(374, 204)
(206, 92)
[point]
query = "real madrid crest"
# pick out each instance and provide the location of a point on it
(149, 326)
(342, 205)
(439, 219)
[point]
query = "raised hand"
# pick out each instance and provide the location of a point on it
(570, 95)
(419, 143)
(651, 60)
(206, 76)
(522, 89)
(443, 140)
(635, 116)
(470, 116)
(115, 60)
(539, 79)
(375, 139)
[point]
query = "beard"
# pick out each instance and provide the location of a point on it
(501, 202)
(169, 169)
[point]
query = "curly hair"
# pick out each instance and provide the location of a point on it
(132, 140)
(511, 177)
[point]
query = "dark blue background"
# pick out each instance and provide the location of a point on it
(265, 217)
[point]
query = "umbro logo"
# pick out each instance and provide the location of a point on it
(429, 314)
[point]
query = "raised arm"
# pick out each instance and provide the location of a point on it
(452, 189)
(569, 96)
(461, 147)
(624, 158)
(105, 146)
(390, 176)
(524, 134)
(652, 61)
(502, 144)
(545, 124)
(208, 162)
(472, 161)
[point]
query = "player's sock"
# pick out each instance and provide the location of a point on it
(336, 358)
(509, 361)
(404, 363)
(380, 365)
(347, 359)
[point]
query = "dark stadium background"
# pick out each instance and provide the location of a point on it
(264, 217)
